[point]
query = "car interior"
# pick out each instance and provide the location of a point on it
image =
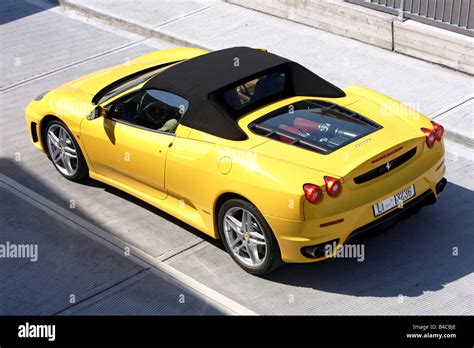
(151, 109)
(255, 90)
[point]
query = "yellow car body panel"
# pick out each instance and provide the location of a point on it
(187, 173)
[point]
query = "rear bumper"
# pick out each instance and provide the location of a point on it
(391, 218)
(376, 226)
(296, 236)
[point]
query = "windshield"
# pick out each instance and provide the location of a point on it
(126, 86)
(313, 124)
(131, 82)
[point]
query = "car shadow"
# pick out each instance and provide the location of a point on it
(152, 209)
(425, 252)
(12, 10)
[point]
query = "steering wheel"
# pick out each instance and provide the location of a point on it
(140, 108)
(151, 106)
(152, 116)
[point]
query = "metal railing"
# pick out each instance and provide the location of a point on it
(454, 15)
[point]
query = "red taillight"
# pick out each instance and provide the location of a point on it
(430, 136)
(312, 192)
(333, 186)
(438, 130)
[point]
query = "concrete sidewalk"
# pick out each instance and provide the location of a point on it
(438, 92)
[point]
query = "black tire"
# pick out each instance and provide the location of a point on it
(82, 170)
(273, 256)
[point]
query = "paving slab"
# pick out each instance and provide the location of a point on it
(145, 294)
(36, 41)
(150, 13)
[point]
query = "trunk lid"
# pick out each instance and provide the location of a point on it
(392, 139)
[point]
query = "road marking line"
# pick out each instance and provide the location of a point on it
(90, 300)
(178, 250)
(7, 88)
(184, 16)
(451, 106)
(118, 245)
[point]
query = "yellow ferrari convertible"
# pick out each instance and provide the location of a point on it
(245, 146)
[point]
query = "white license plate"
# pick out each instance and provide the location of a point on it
(393, 201)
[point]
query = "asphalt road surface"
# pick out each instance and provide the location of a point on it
(423, 265)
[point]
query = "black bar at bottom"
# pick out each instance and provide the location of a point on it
(418, 330)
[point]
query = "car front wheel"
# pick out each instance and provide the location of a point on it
(64, 151)
(248, 238)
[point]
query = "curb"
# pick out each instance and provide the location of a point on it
(128, 25)
(459, 138)
(154, 32)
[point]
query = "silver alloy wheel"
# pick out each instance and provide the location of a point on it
(244, 236)
(62, 150)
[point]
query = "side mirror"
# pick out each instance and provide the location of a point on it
(95, 113)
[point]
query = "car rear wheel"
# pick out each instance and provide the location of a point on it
(64, 151)
(248, 238)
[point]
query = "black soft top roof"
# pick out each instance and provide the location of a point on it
(201, 80)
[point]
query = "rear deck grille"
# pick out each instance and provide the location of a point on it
(384, 168)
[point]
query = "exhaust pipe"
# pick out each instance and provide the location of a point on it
(319, 250)
(440, 186)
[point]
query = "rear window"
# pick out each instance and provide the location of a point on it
(255, 90)
(315, 125)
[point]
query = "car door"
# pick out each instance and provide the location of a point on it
(130, 142)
